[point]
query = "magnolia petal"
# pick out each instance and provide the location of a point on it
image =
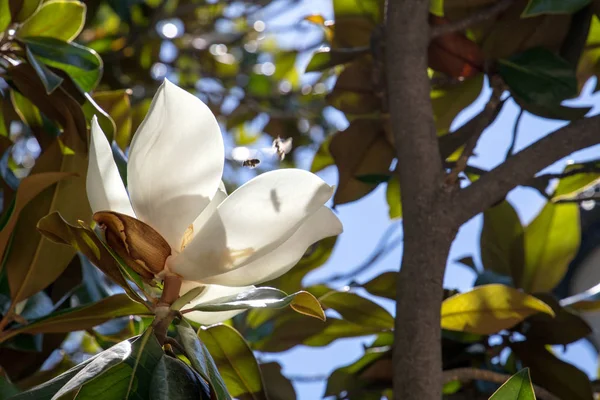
(322, 224)
(105, 189)
(211, 292)
(217, 199)
(176, 162)
(251, 222)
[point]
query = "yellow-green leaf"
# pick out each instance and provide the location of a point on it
(4, 15)
(70, 13)
(305, 303)
(392, 195)
(448, 101)
(489, 309)
(358, 310)
(116, 103)
(571, 186)
(551, 241)
(235, 361)
(28, 7)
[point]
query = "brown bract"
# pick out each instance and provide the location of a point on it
(140, 246)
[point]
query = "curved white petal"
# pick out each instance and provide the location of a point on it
(252, 221)
(176, 162)
(217, 199)
(211, 292)
(105, 189)
(322, 224)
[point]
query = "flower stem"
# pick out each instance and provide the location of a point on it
(162, 311)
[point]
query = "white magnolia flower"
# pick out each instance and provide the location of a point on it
(227, 243)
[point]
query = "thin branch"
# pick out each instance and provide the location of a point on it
(520, 168)
(511, 148)
(474, 374)
(384, 246)
(491, 111)
(474, 19)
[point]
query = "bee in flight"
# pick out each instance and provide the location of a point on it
(251, 163)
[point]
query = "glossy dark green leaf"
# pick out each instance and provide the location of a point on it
(358, 310)
(541, 7)
(173, 379)
(518, 387)
(539, 77)
(201, 360)
(235, 361)
(101, 362)
(50, 80)
(468, 261)
(559, 377)
(83, 65)
(557, 111)
(501, 240)
(564, 328)
(131, 379)
(83, 317)
(383, 285)
(70, 13)
(264, 297)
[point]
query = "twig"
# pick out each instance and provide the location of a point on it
(383, 247)
(480, 16)
(511, 148)
(475, 374)
(492, 106)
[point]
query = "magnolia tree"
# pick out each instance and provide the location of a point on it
(129, 272)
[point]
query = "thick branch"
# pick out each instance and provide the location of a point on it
(474, 19)
(471, 374)
(428, 230)
(520, 168)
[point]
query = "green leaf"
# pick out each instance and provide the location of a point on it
(383, 285)
(50, 80)
(264, 297)
(128, 378)
(117, 105)
(551, 241)
(83, 317)
(323, 158)
(70, 13)
(566, 327)
(501, 240)
(373, 178)
(518, 387)
(394, 200)
(468, 261)
(4, 15)
(101, 362)
(173, 379)
(436, 7)
(83, 65)
(448, 101)
(358, 310)
(201, 360)
(539, 77)
(559, 377)
(235, 361)
(556, 111)
(545, 7)
(25, 109)
(571, 186)
(82, 238)
(489, 309)
(28, 7)
(7, 389)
